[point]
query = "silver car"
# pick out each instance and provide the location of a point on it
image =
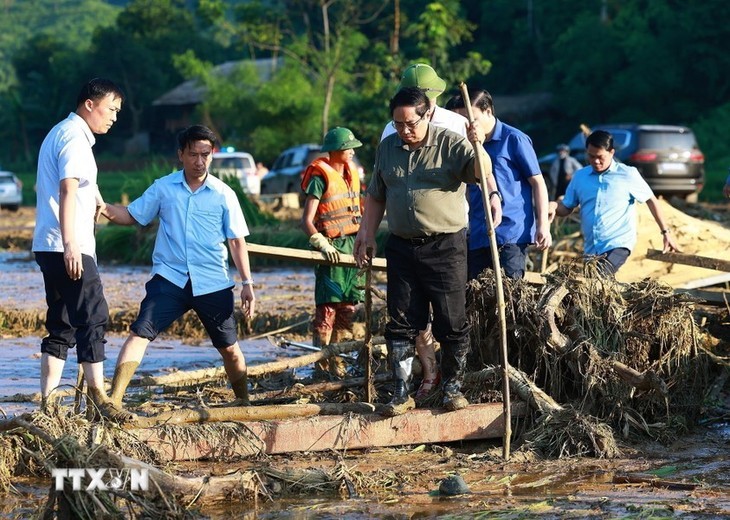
(11, 191)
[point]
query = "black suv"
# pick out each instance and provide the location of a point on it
(667, 156)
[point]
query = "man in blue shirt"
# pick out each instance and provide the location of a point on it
(606, 192)
(521, 187)
(197, 214)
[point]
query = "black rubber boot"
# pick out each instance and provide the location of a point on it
(400, 355)
(453, 367)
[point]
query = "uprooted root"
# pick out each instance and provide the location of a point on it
(627, 354)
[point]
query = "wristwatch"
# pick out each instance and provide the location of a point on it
(498, 194)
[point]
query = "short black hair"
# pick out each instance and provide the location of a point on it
(479, 98)
(98, 88)
(410, 97)
(195, 133)
(600, 139)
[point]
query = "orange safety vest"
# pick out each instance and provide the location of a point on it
(338, 213)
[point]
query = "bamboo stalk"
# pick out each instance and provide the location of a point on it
(307, 256)
(368, 341)
(482, 170)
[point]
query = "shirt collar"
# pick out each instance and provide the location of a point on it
(611, 168)
(77, 119)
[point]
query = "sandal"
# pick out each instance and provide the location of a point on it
(427, 386)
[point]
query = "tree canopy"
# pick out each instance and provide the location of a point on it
(338, 62)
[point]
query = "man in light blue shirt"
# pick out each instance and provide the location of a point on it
(607, 192)
(197, 214)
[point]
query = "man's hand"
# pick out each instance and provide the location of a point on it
(669, 244)
(552, 210)
(364, 248)
(319, 241)
(543, 238)
(248, 301)
(475, 132)
(100, 206)
(72, 260)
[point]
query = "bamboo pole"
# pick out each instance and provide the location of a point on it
(482, 170)
(307, 256)
(368, 340)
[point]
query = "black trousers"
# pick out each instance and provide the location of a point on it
(77, 310)
(427, 271)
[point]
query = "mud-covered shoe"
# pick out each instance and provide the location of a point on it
(115, 413)
(455, 401)
(398, 406)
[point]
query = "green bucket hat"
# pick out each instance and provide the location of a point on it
(424, 77)
(339, 138)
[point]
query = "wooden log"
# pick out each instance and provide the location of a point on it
(249, 413)
(333, 432)
(208, 374)
(693, 260)
(647, 380)
(307, 256)
(314, 389)
(654, 482)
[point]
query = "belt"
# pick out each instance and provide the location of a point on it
(419, 241)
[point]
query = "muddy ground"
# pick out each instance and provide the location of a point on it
(686, 478)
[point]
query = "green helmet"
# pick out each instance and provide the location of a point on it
(339, 138)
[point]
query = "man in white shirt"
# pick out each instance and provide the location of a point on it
(65, 247)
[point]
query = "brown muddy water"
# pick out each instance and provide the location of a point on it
(524, 487)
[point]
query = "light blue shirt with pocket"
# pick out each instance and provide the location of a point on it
(607, 205)
(194, 228)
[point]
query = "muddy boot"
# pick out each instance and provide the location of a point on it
(240, 390)
(99, 405)
(51, 405)
(122, 376)
(325, 367)
(400, 355)
(453, 366)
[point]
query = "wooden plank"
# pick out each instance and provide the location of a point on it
(693, 260)
(328, 432)
(711, 297)
(307, 256)
(315, 257)
(706, 282)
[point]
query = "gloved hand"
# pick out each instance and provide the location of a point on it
(319, 241)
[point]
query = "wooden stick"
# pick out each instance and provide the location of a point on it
(307, 256)
(693, 260)
(369, 384)
(180, 378)
(249, 413)
(483, 172)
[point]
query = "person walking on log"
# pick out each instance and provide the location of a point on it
(197, 214)
(419, 178)
(331, 219)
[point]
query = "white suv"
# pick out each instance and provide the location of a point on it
(239, 165)
(11, 191)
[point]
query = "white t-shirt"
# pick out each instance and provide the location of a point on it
(442, 118)
(66, 154)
